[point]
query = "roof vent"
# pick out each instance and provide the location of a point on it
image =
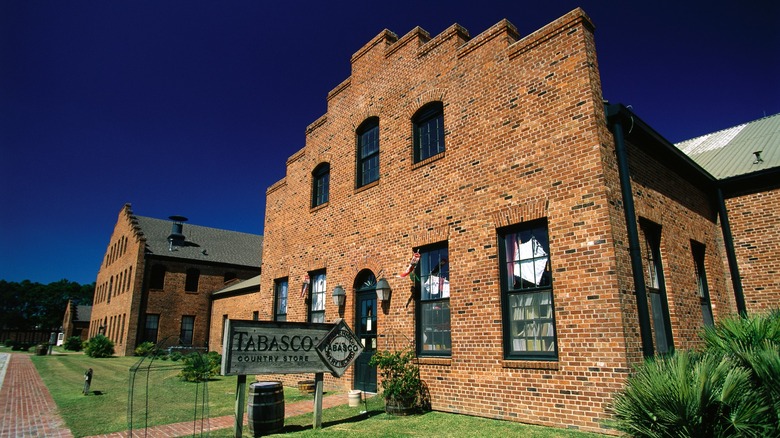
(176, 238)
(758, 157)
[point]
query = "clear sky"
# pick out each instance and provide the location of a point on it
(192, 107)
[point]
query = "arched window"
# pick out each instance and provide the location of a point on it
(428, 131)
(320, 184)
(367, 166)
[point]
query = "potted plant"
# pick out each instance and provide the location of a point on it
(401, 383)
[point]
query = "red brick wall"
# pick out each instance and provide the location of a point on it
(755, 225)
(120, 273)
(526, 139)
(234, 307)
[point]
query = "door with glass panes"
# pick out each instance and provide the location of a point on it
(365, 329)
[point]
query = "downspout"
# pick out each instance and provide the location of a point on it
(731, 256)
(635, 254)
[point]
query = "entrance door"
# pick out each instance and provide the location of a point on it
(365, 329)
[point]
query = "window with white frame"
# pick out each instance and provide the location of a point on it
(367, 166)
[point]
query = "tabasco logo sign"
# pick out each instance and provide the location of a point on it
(339, 348)
(257, 347)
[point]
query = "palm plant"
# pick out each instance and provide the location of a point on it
(729, 389)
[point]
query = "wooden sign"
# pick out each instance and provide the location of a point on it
(261, 347)
(258, 347)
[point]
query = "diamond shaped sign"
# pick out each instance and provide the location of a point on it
(339, 348)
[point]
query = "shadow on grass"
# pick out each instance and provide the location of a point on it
(347, 420)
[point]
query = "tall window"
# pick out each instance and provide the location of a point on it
(193, 278)
(317, 301)
(526, 292)
(433, 313)
(428, 131)
(157, 277)
(187, 326)
(368, 152)
(698, 250)
(320, 184)
(656, 288)
(150, 328)
(280, 300)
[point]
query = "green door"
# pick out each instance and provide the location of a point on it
(365, 329)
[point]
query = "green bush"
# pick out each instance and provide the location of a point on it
(73, 343)
(200, 367)
(401, 382)
(99, 346)
(9, 343)
(175, 356)
(144, 349)
(728, 389)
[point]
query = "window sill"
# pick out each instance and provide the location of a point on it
(442, 361)
(367, 186)
(428, 160)
(319, 207)
(530, 364)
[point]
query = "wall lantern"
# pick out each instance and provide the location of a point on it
(383, 290)
(339, 296)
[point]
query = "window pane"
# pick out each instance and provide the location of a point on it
(368, 153)
(281, 300)
(527, 264)
(429, 132)
(434, 309)
(532, 328)
(435, 322)
(187, 326)
(317, 307)
(320, 184)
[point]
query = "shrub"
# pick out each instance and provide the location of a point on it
(200, 367)
(99, 346)
(401, 383)
(731, 388)
(175, 356)
(9, 343)
(144, 348)
(73, 343)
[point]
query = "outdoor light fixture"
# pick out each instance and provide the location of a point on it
(383, 290)
(339, 296)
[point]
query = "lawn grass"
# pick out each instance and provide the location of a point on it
(173, 401)
(105, 409)
(345, 421)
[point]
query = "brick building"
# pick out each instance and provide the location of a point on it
(157, 276)
(555, 240)
(232, 302)
(75, 322)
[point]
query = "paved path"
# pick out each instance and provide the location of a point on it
(26, 407)
(28, 410)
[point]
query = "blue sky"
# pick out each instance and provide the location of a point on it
(192, 107)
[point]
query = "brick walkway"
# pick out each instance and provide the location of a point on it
(27, 409)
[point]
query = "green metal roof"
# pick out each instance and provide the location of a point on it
(741, 150)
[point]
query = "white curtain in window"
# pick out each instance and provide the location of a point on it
(533, 260)
(435, 285)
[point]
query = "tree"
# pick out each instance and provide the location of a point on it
(29, 305)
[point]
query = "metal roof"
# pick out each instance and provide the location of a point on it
(741, 150)
(203, 244)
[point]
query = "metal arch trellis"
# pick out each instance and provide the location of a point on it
(151, 363)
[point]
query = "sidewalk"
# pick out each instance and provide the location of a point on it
(28, 410)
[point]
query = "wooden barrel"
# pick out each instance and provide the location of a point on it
(265, 408)
(306, 386)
